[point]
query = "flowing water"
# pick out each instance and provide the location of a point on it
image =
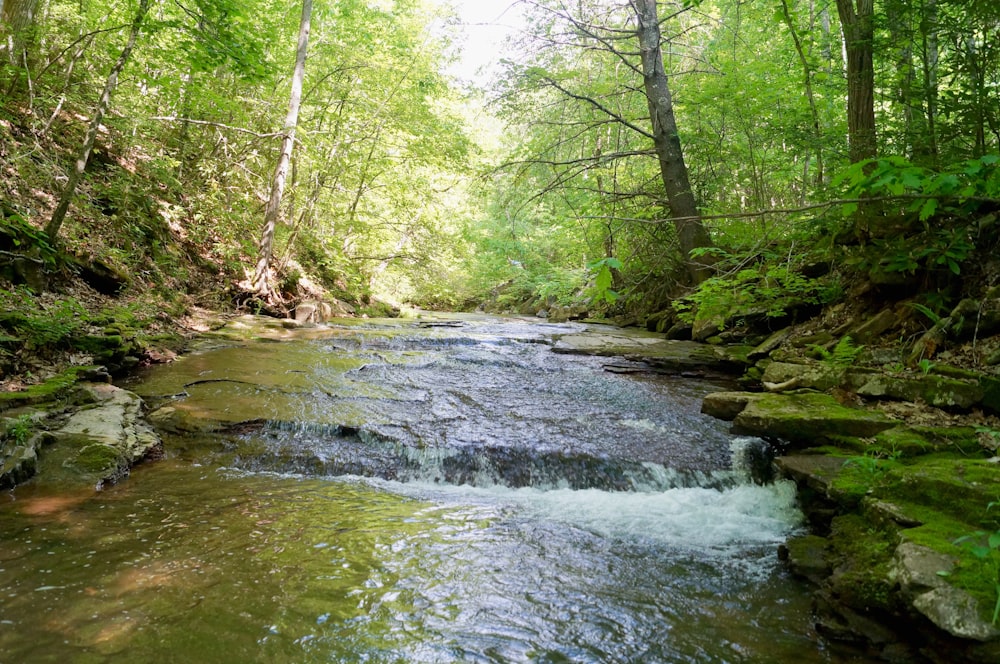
(445, 490)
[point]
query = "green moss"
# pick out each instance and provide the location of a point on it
(978, 576)
(98, 458)
(862, 475)
(51, 390)
(956, 486)
(848, 445)
(864, 553)
(907, 441)
(954, 372)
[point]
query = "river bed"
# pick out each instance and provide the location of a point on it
(441, 490)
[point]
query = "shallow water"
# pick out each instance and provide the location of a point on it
(221, 554)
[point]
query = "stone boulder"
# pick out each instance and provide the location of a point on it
(937, 391)
(922, 576)
(686, 357)
(102, 440)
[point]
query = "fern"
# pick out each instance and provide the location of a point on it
(843, 354)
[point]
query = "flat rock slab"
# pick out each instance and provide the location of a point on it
(805, 419)
(102, 440)
(817, 471)
(663, 354)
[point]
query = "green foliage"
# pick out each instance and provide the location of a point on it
(761, 288)
(870, 469)
(40, 326)
(844, 353)
(17, 430)
(25, 237)
(934, 211)
(932, 315)
(984, 546)
(601, 291)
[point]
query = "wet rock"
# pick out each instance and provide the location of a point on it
(102, 441)
(841, 623)
(664, 355)
(807, 556)
(956, 612)
(313, 311)
(816, 472)
(726, 405)
(19, 460)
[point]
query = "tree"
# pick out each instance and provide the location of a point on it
(856, 21)
(273, 210)
(55, 223)
(691, 233)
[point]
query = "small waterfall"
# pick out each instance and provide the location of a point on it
(369, 451)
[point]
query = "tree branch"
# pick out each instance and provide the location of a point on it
(206, 123)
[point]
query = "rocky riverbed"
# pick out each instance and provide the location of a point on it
(897, 474)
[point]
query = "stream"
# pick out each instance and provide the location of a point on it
(442, 489)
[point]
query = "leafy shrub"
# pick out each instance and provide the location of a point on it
(944, 204)
(40, 327)
(763, 288)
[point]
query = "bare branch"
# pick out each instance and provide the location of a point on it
(206, 123)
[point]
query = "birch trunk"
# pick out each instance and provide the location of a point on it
(273, 210)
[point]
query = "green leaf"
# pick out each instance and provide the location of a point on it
(912, 180)
(928, 209)
(603, 280)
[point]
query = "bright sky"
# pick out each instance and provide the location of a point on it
(486, 24)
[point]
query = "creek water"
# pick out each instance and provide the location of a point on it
(442, 490)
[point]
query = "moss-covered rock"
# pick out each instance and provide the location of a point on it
(955, 486)
(913, 441)
(863, 558)
(806, 419)
(938, 391)
(100, 441)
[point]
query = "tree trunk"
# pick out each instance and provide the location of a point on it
(810, 96)
(19, 15)
(691, 233)
(929, 28)
(272, 212)
(856, 23)
(55, 223)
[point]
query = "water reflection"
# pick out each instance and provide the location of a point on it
(522, 553)
(192, 564)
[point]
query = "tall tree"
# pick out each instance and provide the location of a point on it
(691, 232)
(55, 223)
(273, 210)
(856, 20)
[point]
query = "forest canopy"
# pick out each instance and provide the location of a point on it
(625, 151)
